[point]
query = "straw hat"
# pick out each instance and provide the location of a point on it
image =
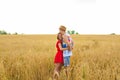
(62, 28)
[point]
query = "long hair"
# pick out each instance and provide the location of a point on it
(59, 38)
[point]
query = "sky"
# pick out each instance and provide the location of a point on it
(45, 16)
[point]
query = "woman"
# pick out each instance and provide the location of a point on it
(58, 61)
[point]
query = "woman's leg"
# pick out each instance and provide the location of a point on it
(56, 71)
(59, 67)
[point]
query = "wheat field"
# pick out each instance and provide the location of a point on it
(30, 57)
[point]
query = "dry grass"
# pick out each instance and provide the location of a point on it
(30, 57)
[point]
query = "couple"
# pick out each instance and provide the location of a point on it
(64, 47)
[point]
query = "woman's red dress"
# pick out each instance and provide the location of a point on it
(59, 54)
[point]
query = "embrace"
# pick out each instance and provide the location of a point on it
(64, 47)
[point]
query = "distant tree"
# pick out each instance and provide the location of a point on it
(77, 33)
(69, 32)
(112, 34)
(2, 32)
(72, 32)
(15, 33)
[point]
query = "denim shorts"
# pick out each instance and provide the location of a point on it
(66, 60)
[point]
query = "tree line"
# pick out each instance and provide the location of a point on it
(2, 32)
(72, 32)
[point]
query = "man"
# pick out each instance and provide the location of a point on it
(67, 42)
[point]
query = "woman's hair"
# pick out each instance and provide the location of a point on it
(58, 36)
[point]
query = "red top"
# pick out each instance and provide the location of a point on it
(57, 46)
(59, 54)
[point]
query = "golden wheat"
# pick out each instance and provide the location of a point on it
(30, 57)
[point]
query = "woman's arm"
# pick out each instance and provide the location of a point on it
(60, 46)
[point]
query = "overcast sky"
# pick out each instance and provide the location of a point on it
(45, 16)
